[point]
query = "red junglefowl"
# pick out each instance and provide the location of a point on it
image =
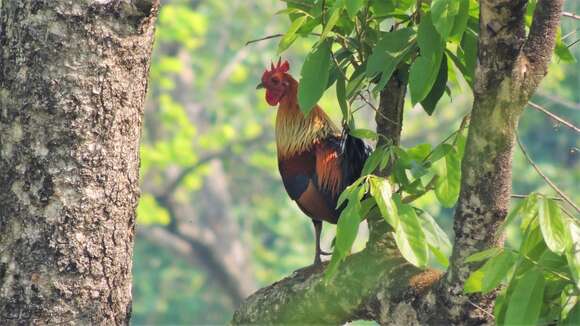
(316, 161)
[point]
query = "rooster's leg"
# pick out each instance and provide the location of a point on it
(317, 232)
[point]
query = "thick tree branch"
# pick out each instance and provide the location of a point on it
(366, 286)
(555, 117)
(542, 39)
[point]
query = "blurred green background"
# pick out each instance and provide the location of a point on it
(214, 222)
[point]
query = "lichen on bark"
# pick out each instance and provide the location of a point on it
(73, 77)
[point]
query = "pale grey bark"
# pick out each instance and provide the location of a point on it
(73, 78)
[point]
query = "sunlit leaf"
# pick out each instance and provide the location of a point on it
(381, 192)
(474, 282)
(409, 236)
(435, 236)
(573, 318)
(314, 76)
(443, 13)
(461, 20)
(483, 255)
(525, 303)
(291, 35)
(353, 6)
(333, 19)
(496, 269)
(373, 161)
(449, 180)
(573, 251)
(388, 52)
(364, 134)
(552, 225)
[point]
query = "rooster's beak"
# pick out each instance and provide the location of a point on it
(260, 86)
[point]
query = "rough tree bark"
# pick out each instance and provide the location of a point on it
(73, 78)
(510, 67)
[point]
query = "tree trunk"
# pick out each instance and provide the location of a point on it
(73, 78)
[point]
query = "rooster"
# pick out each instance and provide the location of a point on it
(315, 159)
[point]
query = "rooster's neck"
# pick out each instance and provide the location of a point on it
(295, 132)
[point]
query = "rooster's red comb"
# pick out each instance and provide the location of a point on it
(279, 67)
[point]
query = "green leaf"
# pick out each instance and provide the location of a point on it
(425, 69)
(444, 13)
(356, 82)
(552, 225)
(353, 6)
(468, 53)
(409, 236)
(388, 52)
(346, 193)
(381, 192)
(364, 134)
(496, 269)
(573, 251)
(436, 238)
(314, 76)
(461, 20)
(291, 35)
(483, 255)
(430, 43)
(430, 102)
(562, 51)
(373, 161)
(341, 97)
(449, 180)
(348, 223)
(333, 19)
(525, 303)
(573, 318)
(440, 151)
(474, 282)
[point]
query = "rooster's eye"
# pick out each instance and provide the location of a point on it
(275, 80)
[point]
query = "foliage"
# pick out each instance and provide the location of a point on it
(432, 46)
(541, 278)
(196, 110)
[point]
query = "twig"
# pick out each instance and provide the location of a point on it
(483, 310)
(553, 116)
(526, 196)
(273, 36)
(548, 181)
(567, 213)
(462, 126)
(264, 38)
(376, 110)
(558, 100)
(573, 43)
(570, 15)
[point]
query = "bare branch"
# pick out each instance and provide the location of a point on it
(264, 38)
(545, 177)
(526, 196)
(570, 15)
(558, 100)
(553, 116)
